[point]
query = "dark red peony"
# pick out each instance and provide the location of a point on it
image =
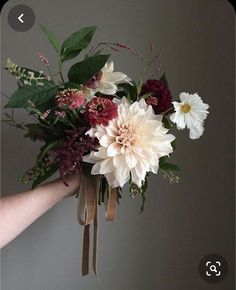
(160, 96)
(100, 111)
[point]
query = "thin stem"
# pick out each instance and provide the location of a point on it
(168, 111)
(13, 123)
(50, 73)
(4, 95)
(60, 70)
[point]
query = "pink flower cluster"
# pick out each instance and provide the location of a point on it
(70, 98)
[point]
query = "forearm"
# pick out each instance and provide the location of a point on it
(21, 210)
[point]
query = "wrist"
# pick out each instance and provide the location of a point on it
(73, 182)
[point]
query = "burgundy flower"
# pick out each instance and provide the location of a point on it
(70, 155)
(160, 96)
(70, 98)
(100, 111)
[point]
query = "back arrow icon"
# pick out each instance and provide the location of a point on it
(20, 18)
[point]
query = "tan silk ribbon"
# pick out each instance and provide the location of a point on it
(88, 214)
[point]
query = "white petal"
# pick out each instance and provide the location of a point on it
(88, 159)
(135, 178)
(113, 77)
(180, 120)
(109, 67)
(106, 166)
(107, 88)
(183, 96)
(106, 140)
(131, 160)
(101, 153)
(96, 168)
(196, 132)
(113, 149)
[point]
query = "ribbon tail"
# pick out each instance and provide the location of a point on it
(111, 205)
(95, 243)
(85, 258)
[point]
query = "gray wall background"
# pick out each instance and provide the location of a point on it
(161, 248)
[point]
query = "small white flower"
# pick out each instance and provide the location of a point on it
(191, 113)
(131, 144)
(105, 81)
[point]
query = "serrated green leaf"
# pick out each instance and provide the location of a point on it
(51, 37)
(75, 43)
(36, 94)
(82, 71)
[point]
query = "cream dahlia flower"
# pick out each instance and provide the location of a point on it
(191, 113)
(131, 144)
(105, 81)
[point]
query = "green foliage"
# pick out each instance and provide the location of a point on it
(35, 131)
(48, 147)
(164, 79)
(51, 37)
(130, 90)
(167, 166)
(45, 174)
(82, 71)
(36, 94)
(145, 96)
(70, 85)
(24, 75)
(134, 190)
(143, 191)
(167, 123)
(173, 144)
(75, 43)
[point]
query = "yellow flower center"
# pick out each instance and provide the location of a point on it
(185, 108)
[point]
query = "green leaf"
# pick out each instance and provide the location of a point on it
(173, 144)
(169, 167)
(36, 132)
(48, 147)
(82, 71)
(70, 85)
(130, 90)
(164, 79)
(143, 191)
(51, 37)
(162, 160)
(24, 75)
(166, 122)
(75, 43)
(50, 171)
(36, 94)
(145, 96)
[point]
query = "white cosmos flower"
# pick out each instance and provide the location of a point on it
(191, 113)
(130, 145)
(106, 81)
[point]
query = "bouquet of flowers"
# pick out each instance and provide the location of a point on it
(101, 124)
